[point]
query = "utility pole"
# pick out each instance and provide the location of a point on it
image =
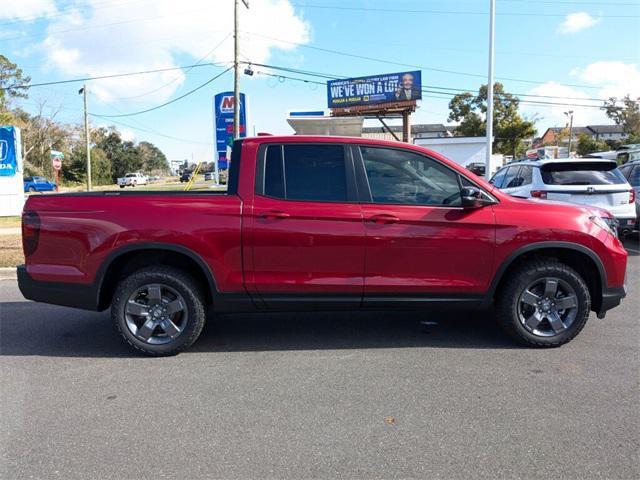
(87, 135)
(492, 34)
(570, 115)
(236, 67)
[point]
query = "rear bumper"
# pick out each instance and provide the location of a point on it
(611, 298)
(627, 225)
(57, 293)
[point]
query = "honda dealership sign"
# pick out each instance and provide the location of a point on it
(223, 120)
(388, 88)
(8, 157)
(11, 186)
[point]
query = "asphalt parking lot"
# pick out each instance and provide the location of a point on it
(365, 395)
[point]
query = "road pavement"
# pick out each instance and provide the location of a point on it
(349, 395)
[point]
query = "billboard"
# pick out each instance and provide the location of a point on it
(223, 121)
(8, 157)
(391, 87)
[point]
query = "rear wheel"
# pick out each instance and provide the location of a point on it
(159, 310)
(544, 303)
(32, 189)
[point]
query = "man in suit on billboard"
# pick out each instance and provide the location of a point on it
(407, 90)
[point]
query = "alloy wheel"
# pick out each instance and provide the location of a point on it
(156, 314)
(547, 307)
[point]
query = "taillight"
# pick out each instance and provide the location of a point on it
(632, 196)
(30, 232)
(538, 193)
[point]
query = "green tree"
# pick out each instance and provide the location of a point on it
(153, 160)
(12, 85)
(587, 144)
(627, 114)
(74, 166)
(123, 156)
(510, 129)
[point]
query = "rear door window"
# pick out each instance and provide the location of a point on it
(306, 172)
(510, 179)
(525, 176)
(582, 173)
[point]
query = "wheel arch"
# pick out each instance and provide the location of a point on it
(130, 258)
(582, 259)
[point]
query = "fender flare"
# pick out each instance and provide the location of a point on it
(114, 255)
(532, 247)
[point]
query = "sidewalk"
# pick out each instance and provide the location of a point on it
(10, 230)
(8, 273)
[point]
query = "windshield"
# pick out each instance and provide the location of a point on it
(582, 173)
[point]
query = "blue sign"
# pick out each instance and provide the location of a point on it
(223, 119)
(391, 87)
(8, 159)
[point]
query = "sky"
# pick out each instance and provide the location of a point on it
(564, 51)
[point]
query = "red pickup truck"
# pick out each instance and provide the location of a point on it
(322, 223)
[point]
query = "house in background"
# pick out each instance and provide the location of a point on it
(608, 132)
(597, 132)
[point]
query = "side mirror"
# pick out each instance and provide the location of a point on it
(473, 197)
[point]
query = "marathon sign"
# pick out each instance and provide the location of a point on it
(373, 90)
(223, 122)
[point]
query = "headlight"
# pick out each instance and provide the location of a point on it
(609, 224)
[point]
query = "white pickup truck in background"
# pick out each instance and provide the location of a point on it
(132, 179)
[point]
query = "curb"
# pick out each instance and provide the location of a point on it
(8, 273)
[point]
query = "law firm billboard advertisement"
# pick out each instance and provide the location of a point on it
(373, 90)
(223, 120)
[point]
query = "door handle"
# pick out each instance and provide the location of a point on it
(383, 218)
(273, 215)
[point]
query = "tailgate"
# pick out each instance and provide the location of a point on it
(603, 197)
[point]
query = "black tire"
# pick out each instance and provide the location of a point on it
(508, 302)
(180, 282)
(121, 186)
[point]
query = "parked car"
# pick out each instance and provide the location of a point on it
(631, 171)
(321, 223)
(185, 176)
(132, 179)
(586, 181)
(38, 184)
(209, 176)
(477, 167)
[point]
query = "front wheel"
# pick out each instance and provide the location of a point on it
(159, 310)
(544, 303)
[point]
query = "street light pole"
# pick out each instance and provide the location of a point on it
(492, 15)
(87, 135)
(570, 115)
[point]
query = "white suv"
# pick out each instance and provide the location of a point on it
(588, 181)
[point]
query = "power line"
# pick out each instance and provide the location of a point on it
(102, 25)
(421, 67)
(153, 132)
(64, 11)
(444, 12)
(115, 75)
(449, 95)
(332, 77)
(572, 2)
(170, 101)
(187, 70)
